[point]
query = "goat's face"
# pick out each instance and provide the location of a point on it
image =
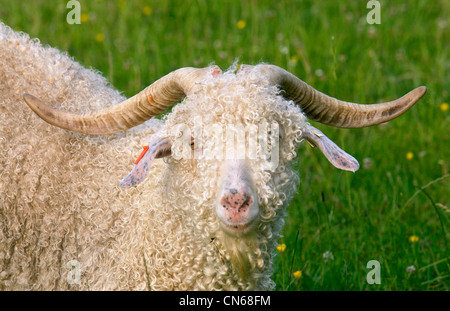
(231, 142)
(237, 136)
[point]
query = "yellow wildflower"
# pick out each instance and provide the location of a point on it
(297, 274)
(409, 155)
(414, 239)
(281, 248)
(100, 37)
(294, 58)
(147, 10)
(121, 4)
(241, 24)
(444, 106)
(84, 17)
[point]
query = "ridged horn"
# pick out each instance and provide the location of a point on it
(150, 102)
(331, 111)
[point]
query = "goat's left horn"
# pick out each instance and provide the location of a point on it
(331, 111)
(150, 102)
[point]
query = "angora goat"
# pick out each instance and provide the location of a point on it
(205, 217)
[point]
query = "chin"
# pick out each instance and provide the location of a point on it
(239, 229)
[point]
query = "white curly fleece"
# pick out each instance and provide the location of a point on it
(59, 194)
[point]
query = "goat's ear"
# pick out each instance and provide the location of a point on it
(338, 157)
(158, 148)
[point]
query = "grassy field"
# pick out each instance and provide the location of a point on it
(396, 208)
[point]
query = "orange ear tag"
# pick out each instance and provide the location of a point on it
(216, 72)
(142, 154)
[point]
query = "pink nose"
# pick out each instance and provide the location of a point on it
(236, 201)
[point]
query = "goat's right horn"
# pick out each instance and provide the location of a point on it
(150, 102)
(331, 111)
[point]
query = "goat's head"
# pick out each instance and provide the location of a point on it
(236, 130)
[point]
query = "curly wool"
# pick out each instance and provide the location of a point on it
(59, 194)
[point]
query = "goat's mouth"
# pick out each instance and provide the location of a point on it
(238, 222)
(238, 228)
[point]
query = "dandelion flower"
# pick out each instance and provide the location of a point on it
(84, 18)
(444, 106)
(241, 24)
(281, 248)
(409, 156)
(147, 10)
(100, 37)
(414, 239)
(297, 274)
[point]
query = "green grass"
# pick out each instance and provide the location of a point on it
(355, 217)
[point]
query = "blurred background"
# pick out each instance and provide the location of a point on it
(396, 208)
